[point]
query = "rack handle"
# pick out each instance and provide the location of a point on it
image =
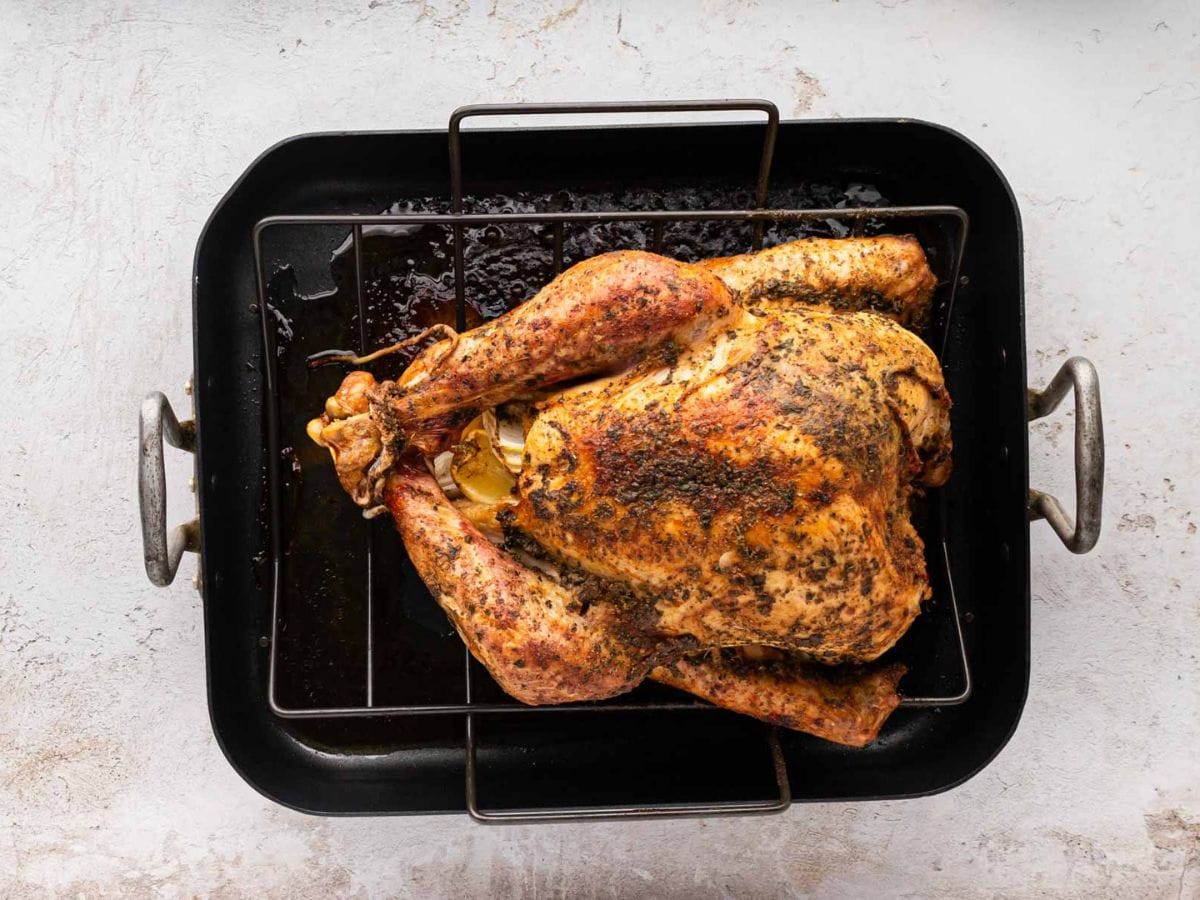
(1080, 375)
(586, 108)
(162, 551)
(592, 813)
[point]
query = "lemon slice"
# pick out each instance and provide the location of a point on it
(478, 471)
(483, 517)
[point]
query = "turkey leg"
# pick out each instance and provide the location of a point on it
(593, 318)
(529, 631)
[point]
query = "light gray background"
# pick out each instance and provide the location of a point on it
(121, 124)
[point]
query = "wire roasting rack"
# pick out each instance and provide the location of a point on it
(953, 222)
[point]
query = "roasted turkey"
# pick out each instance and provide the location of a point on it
(695, 473)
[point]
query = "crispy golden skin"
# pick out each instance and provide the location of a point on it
(845, 706)
(886, 274)
(526, 628)
(754, 483)
(602, 313)
(736, 473)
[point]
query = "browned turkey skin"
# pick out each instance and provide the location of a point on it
(719, 500)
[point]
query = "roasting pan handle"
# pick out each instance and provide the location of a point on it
(645, 106)
(162, 550)
(1080, 374)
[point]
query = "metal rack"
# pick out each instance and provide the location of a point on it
(953, 218)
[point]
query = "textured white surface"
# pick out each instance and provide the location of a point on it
(121, 124)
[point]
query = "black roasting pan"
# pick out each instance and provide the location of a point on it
(294, 688)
